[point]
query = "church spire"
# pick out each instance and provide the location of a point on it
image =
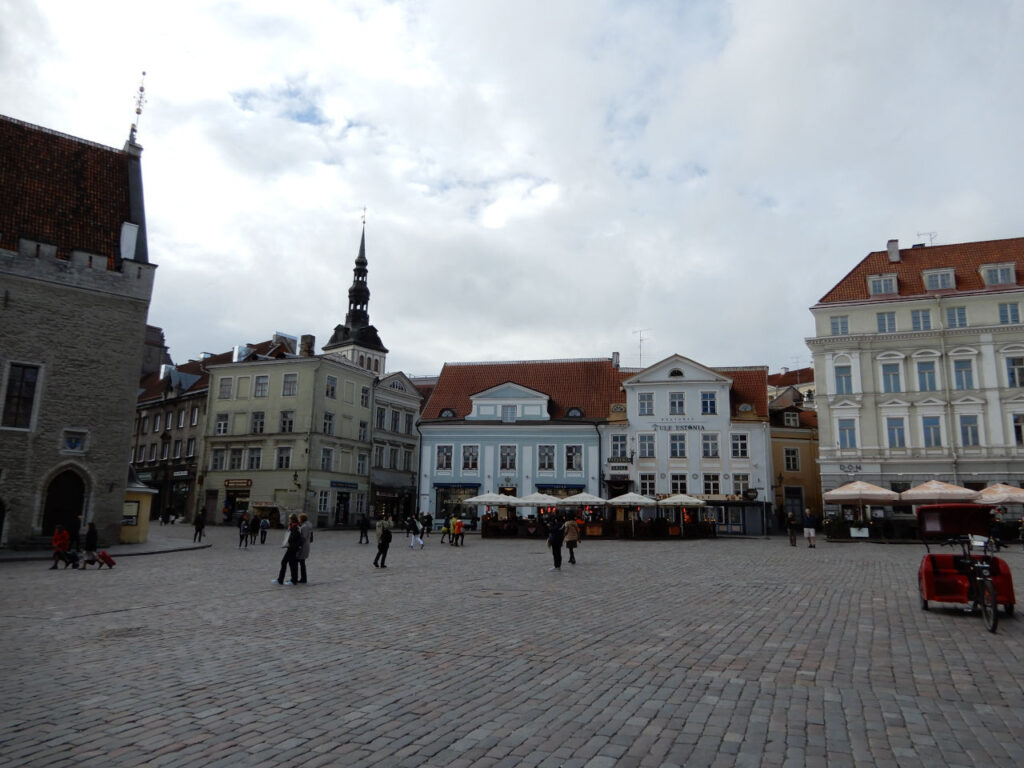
(357, 340)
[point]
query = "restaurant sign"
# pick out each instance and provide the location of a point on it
(238, 483)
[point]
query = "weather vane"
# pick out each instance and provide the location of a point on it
(140, 102)
(364, 215)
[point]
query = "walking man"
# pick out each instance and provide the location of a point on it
(809, 528)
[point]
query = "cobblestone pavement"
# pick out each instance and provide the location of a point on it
(704, 653)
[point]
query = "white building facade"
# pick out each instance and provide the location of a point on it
(919, 363)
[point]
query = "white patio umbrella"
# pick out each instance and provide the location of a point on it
(681, 500)
(536, 500)
(494, 499)
(582, 500)
(631, 500)
(1001, 493)
(859, 492)
(936, 492)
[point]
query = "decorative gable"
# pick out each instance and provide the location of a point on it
(676, 369)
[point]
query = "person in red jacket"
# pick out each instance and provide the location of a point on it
(61, 542)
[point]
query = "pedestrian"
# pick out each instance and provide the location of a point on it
(571, 534)
(243, 531)
(91, 542)
(808, 521)
(264, 529)
(428, 524)
(306, 529)
(254, 528)
(200, 525)
(452, 540)
(383, 542)
(61, 543)
(292, 545)
(364, 530)
(793, 526)
(460, 532)
(445, 531)
(555, 542)
(417, 529)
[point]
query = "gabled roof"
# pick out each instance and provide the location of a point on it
(61, 190)
(591, 385)
(965, 259)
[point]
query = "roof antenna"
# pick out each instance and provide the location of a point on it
(931, 236)
(140, 102)
(641, 331)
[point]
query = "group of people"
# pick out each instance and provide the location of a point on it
(807, 522)
(561, 531)
(297, 543)
(66, 546)
(250, 528)
(455, 530)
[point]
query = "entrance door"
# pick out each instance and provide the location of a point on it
(341, 508)
(794, 500)
(65, 500)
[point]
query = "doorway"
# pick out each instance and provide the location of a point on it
(65, 502)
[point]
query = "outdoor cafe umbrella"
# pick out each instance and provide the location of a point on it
(583, 499)
(860, 493)
(1001, 493)
(632, 500)
(937, 492)
(535, 499)
(681, 500)
(493, 499)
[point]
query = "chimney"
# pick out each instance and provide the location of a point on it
(894, 250)
(306, 345)
(615, 360)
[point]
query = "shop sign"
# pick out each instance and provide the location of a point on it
(238, 483)
(344, 484)
(144, 476)
(619, 468)
(181, 473)
(678, 427)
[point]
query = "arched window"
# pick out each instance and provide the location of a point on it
(447, 413)
(574, 413)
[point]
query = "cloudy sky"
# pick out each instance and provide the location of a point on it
(541, 179)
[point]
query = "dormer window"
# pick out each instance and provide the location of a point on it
(447, 413)
(508, 413)
(939, 279)
(676, 373)
(574, 413)
(880, 285)
(999, 274)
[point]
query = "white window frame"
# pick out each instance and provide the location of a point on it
(740, 445)
(573, 458)
(283, 457)
(839, 325)
(677, 445)
(791, 459)
(882, 285)
(443, 456)
(645, 403)
(646, 445)
(225, 386)
(261, 386)
(290, 385)
(471, 458)
(677, 403)
(709, 445)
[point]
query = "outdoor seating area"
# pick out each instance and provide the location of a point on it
(629, 516)
(869, 511)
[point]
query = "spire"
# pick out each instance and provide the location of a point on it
(357, 331)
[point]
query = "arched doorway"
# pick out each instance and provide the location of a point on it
(65, 499)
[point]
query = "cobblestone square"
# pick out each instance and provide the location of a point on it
(698, 653)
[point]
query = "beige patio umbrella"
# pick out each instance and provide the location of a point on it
(582, 500)
(493, 499)
(1001, 493)
(860, 493)
(936, 492)
(681, 500)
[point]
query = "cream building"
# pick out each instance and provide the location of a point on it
(919, 366)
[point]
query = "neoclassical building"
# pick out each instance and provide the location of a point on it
(919, 366)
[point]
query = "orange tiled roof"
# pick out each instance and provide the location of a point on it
(151, 386)
(749, 385)
(965, 258)
(590, 385)
(790, 378)
(60, 190)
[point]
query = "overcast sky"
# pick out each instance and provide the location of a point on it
(542, 179)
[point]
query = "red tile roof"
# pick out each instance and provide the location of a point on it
(590, 385)
(749, 386)
(790, 378)
(60, 190)
(965, 258)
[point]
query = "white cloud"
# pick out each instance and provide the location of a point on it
(542, 179)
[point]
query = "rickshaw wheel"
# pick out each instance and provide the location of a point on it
(988, 605)
(920, 589)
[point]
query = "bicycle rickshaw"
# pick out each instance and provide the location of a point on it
(981, 581)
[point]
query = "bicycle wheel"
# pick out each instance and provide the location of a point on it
(987, 603)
